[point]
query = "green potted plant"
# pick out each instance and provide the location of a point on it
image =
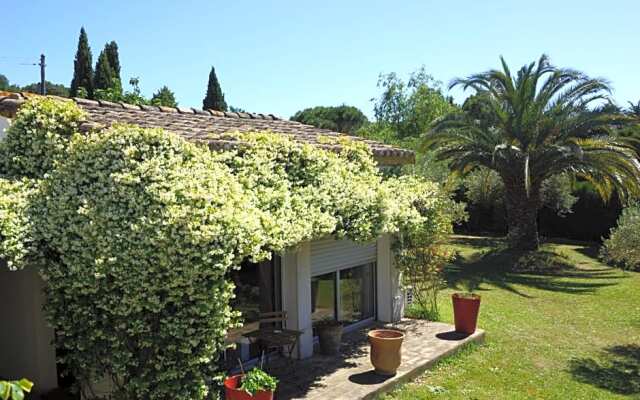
(330, 336)
(253, 385)
(466, 306)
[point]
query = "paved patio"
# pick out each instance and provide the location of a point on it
(350, 375)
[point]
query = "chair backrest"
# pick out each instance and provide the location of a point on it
(275, 317)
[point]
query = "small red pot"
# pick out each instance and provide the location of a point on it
(232, 392)
(465, 312)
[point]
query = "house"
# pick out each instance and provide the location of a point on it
(326, 278)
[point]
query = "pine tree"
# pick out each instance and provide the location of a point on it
(214, 100)
(104, 77)
(114, 61)
(82, 68)
(164, 97)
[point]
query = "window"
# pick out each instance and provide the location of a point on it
(323, 297)
(347, 295)
(356, 294)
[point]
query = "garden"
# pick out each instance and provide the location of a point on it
(135, 230)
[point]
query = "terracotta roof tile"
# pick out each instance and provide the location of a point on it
(209, 126)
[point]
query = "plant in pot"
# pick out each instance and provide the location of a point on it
(466, 306)
(253, 385)
(386, 350)
(330, 336)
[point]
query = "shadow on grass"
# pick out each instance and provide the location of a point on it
(618, 370)
(496, 267)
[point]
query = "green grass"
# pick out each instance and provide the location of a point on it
(571, 334)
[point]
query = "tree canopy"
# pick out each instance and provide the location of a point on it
(111, 49)
(164, 97)
(410, 107)
(546, 123)
(82, 68)
(54, 89)
(104, 77)
(214, 99)
(345, 119)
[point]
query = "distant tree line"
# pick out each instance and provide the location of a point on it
(104, 81)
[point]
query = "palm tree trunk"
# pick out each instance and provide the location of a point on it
(522, 215)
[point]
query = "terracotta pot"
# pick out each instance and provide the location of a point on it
(231, 391)
(330, 337)
(386, 350)
(465, 312)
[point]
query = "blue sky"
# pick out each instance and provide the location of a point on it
(282, 56)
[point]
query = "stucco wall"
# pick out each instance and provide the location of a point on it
(26, 349)
(4, 124)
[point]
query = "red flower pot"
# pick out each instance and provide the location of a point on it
(465, 312)
(232, 392)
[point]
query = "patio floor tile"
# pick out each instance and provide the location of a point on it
(350, 375)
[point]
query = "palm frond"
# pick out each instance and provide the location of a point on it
(546, 122)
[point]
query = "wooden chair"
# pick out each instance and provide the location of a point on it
(272, 333)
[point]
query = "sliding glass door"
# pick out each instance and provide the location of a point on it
(357, 298)
(347, 295)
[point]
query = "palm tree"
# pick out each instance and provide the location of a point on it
(545, 122)
(634, 109)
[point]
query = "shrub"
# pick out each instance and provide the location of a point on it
(38, 137)
(15, 239)
(139, 228)
(419, 251)
(623, 246)
(134, 230)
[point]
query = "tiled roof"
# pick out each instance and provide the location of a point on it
(209, 126)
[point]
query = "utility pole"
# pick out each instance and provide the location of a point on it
(43, 88)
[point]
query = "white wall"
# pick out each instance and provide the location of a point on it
(388, 289)
(296, 295)
(4, 124)
(26, 349)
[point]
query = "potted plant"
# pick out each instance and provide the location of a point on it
(330, 335)
(254, 385)
(466, 306)
(386, 350)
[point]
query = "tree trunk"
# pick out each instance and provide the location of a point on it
(522, 214)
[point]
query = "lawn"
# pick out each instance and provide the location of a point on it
(572, 334)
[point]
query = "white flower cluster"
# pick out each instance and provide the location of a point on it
(135, 229)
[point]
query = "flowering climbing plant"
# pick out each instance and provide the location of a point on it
(133, 231)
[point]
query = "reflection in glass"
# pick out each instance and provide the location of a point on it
(323, 295)
(356, 294)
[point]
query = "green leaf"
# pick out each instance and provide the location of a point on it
(16, 392)
(25, 384)
(5, 390)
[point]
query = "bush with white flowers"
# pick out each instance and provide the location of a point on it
(133, 231)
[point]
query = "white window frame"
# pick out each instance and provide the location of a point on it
(337, 304)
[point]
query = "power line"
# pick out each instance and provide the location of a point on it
(42, 64)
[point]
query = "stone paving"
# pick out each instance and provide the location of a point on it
(350, 374)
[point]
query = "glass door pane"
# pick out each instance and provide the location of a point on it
(323, 297)
(356, 294)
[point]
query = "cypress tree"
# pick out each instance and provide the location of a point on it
(104, 77)
(114, 60)
(214, 99)
(82, 68)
